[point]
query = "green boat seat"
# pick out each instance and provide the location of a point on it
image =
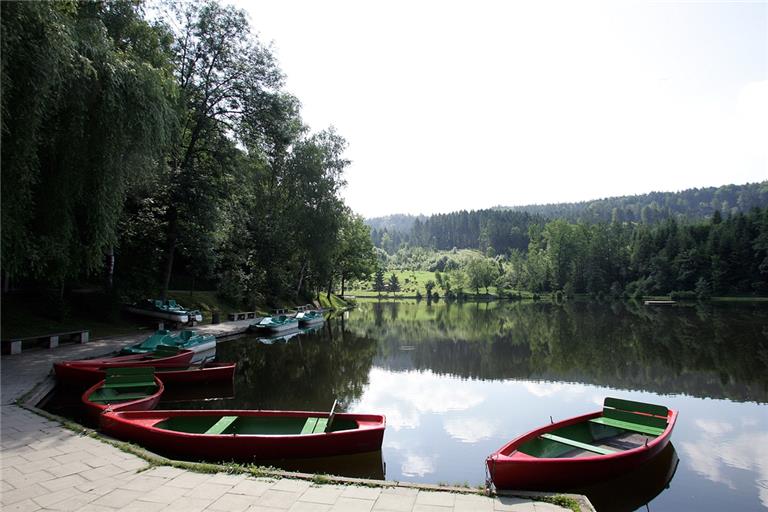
(134, 377)
(626, 425)
(314, 425)
(117, 397)
(221, 425)
(577, 444)
(639, 417)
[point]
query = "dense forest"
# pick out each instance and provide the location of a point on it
(472, 229)
(138, 151)
(719, 256)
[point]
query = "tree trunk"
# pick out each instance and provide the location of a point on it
(342, 285)
(330, 289)
(109, 278)
(170, 250)
(301, 278)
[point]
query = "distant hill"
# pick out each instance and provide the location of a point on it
(394, 223)
(506, 227)
(694, 203)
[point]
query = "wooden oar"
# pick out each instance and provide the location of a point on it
(331, 416)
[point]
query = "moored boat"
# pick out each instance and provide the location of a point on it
(187, 340)
(280, 322)
(168, 310)
(247, 434)
(307, 316)
(123, 388)
(207, 372)
(583, 449)
(80, 371)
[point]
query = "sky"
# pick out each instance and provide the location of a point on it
(467, 105)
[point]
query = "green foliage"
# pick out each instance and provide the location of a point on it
(394, 283)
(87, 109)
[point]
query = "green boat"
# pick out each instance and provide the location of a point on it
(307, 316)
(187, 340)
(274, 324)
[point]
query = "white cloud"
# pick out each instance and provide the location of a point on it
(471, 430)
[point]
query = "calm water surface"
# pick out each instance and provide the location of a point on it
(458, 381)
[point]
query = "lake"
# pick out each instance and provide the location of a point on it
(457, 381)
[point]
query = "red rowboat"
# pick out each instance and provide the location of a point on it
(170, 375)
(81, 372)
(225, 435)
(584, 449)
(124, 389)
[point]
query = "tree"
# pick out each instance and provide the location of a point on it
(87, 110)
(430, 285)
(355, 258)
(394, 283)
(229, 89)
(378, 281)
(481, 273)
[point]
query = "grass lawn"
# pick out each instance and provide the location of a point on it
(411, 281)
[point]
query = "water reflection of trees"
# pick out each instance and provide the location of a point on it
(306, 373)
(704, 350)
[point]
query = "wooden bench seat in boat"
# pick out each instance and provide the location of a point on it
(221, 425)
(314, 426)
(577, 444)
(633, 416)
(133, 377)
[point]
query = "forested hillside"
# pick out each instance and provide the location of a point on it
(505, 228)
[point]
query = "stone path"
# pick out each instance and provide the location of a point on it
(45, 466)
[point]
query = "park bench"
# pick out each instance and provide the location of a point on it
(14, 345)
(242, 315)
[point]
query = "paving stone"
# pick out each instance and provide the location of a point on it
(251, 487)
(304, 506)
(46, 454)
(22, 506)
(187, 504)
(118, 498)
(394, 502)
(542, 506)
(55, 484)
(47, 499)
(344, 504)
(440, 499)
(232, 503)
(24, 493)
(291, 485)
(208, 491)
(69, 469)
(363, 493)
(73, 504)
(165, 494)
(227, 479)
(142, 482)
(164, 471)
(430, 508)
(472, 503)
(326, 494)
(188, 480)
(143, 506)
(278, 499)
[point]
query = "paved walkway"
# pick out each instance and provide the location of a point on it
(45, 466)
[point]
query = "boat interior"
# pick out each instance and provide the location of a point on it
(124, 384)
(254, 425)
(623, 425)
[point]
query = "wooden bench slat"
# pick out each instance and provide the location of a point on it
(309, 425)
(629, 405)
(221, 425)
(577, 444)
(626, 425)
(639, 419)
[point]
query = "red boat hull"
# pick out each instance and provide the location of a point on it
(170, 374)
(512, 469)
(138, 427)
(86, 372)
(94, 410)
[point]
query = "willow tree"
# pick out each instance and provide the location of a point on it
(86, 108)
